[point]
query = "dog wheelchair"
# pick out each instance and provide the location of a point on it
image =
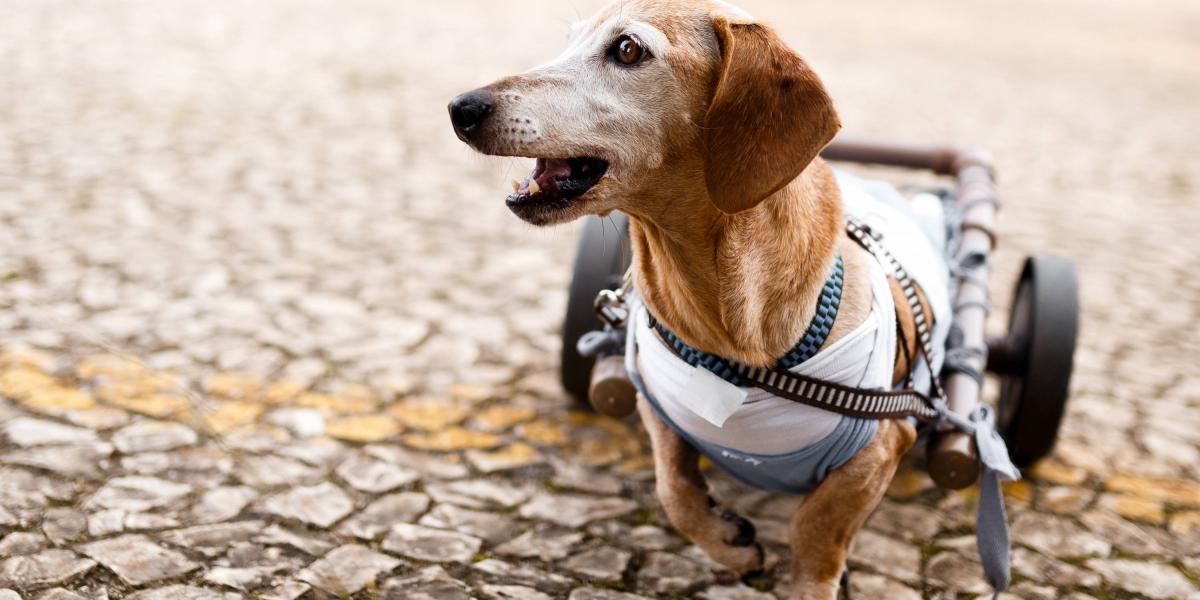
(1033, 360)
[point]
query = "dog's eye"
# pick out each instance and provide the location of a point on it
(628, 51)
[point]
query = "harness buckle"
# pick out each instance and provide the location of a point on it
(610, 307)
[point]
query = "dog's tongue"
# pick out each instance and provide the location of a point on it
(549, 169)
(544, 173)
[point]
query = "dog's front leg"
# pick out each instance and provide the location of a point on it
(726, 537)
(825, 524)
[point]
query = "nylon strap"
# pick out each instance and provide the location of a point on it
(862, 234)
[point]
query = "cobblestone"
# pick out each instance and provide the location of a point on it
(380, 515)
(266, 329)
(45, 568)
(137, 560)
(431, 545)
(347, 569)
(320, 505)
(431, 583)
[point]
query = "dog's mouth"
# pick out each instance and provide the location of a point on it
(555, 182)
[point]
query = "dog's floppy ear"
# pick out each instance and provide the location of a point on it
(769, 117)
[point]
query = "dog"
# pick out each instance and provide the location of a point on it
(705, 128)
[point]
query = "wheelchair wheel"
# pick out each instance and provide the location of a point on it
(600, 263)
(1034, 360)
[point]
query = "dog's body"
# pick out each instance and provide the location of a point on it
(704, 128)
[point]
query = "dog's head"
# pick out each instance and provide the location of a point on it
(653, 96)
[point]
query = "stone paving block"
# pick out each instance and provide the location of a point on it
(428, 465)
(321, 505)
(906, 521)
(578, 478)
(273, 471)
(738, 592)
(138, 493)
(60, 594)
(62, 525)
(43, 569)
(182, 592)
(513, 456)
(603, 563)
(505, 572)
(868, 585)
(545, 543)
(137, 560)
(363, 428)
(153, 436)
(430, 583)
(347, 569)
(1150, 579)
(575, 511)
(287, 590)
(1057, 536)
(371, 475)
(222, 503)
(479, 493)
(1044, 569)
(591, 593)
(431, 545)
(886, 556)
(309, 544)
(324, 453)
(79, 460)
(952, 570)
(379, 516)
(196, 459)
(20, 543)
(451, 439)
(107, 522)
(492, 527)
(665, 573)
(1128, 537)
(24, 431)
(512, 592)
(239, 578)
(302, 422)
(212, 540)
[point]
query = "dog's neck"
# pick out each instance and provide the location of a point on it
(740, 286)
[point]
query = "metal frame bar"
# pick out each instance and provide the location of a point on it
(951, 454)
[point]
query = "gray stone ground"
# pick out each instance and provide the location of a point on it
(269, 331)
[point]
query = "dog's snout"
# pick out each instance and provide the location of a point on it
(469, 110)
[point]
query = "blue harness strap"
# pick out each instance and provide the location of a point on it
(812, 340)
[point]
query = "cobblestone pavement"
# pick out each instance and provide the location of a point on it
(268, 330)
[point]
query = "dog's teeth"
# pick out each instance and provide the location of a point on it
(516, 186)
(533, 187)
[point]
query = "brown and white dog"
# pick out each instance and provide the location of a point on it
(704, 127)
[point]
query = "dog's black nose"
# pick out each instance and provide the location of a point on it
(469, 110)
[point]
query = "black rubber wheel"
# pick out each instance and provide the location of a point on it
(1035, 358)
(600, 263)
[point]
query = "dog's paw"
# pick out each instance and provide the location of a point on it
(745, 561)
(746, 534)
(748, 577)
